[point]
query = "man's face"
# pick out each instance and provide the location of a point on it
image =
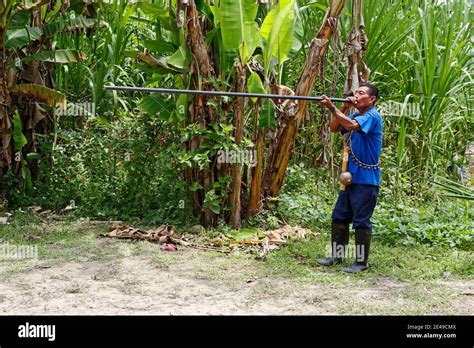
(363, 97)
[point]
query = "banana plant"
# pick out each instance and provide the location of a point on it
(280, 154)
(16, 33)
(239, 33)
(9, 9)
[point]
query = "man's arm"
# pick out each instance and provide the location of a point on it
(344, 121)
(335, 126)
(338, 119)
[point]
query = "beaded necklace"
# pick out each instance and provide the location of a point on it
(359, 162)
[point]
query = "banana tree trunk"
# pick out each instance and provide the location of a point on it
(357, 72)
(6, 148)
(235, 205)
(255, 188)
(279, 157)
(201, 113)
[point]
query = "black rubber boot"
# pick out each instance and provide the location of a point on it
(363, 238)
(339, 241)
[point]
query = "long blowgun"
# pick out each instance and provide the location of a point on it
(217, 93)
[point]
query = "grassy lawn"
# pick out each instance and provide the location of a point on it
(71, 240)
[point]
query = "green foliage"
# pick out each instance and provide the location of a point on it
(430, 69)
(454, 189)
(58, 56)
(120, 169)
(18, 37)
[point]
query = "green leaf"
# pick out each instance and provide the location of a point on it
(32, 156)
(195, 186)
(314, 4)
(159, 46)
(47, 147)
(238, 27)
(267, 115)
(211, 201)
(58, 56)
(19, 140)
(68, 25)
(204, 8)
(21, 20)
(255, 85)
(157, 11)
(277, 31)
(155, 103)
(180, 59)
(248, 233)
(19, 37)
(182, 106)
(26, 175)
(215, 209)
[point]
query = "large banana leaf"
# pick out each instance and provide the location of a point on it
(255, 85)
(238, 27)
(180, 59)
(19, 140)
(158, 12)
(68, 25)
(19, 37)
(156, 104)
(159, 46)
(277, 31)
(267, 115)
(38, 92)
(58, 56)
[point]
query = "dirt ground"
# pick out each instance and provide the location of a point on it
(195, 282)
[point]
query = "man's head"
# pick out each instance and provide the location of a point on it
(366, 95)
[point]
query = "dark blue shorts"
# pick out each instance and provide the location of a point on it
(356, 204)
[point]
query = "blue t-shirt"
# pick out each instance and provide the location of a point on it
(366, 145)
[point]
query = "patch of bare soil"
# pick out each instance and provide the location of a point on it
(192, 283)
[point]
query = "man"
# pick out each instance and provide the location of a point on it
(357, 202)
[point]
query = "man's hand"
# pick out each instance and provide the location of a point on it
(326, 102)
(353, 101)
(338, 119)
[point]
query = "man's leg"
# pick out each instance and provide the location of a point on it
(363, 201)
(341, 217)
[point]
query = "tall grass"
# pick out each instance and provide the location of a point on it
(420, 54)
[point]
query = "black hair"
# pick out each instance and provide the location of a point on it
(373, 91)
